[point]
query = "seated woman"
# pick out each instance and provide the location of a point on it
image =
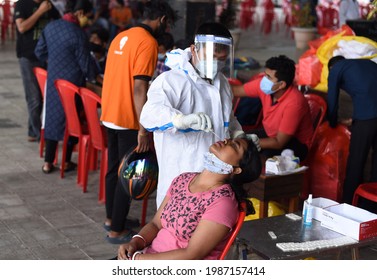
(199, 211)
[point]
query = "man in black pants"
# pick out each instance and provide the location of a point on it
(357, 77)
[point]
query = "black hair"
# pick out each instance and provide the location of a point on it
(285, 68)
(167, 40)
(334, 60)
(213, 28)
(84, 5)
(159, 8)
(183, 43)
(120, 2)
(101, 32)
(251, 166)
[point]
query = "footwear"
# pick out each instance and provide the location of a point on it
(70, 166)
(49, 169)
(32, 139)
(106, 227)
(122, 238)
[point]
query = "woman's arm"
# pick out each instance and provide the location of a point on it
(148, 233)
(206, 237)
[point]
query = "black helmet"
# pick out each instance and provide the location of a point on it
(138, 173)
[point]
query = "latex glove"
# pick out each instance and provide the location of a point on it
(237, 134)
(255, 139)
(197, 121)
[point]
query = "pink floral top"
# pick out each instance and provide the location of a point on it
(185, 210)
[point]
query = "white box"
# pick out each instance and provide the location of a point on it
(318, 204)
(350, 220)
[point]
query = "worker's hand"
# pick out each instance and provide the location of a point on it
(237, 134)
(255, 139)
(142, 143)
(197, 121)
(45, 6)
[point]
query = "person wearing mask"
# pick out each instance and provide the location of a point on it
(66, 48)
(286, 120)
(199, 211)
(130, 65)
(165, 44)
(357, 77)
(190, 106)
(98, 48)
(31, 16)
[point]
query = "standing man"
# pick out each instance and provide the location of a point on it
(357, 77)
(31, 16)
(130, 65)
(190, 106)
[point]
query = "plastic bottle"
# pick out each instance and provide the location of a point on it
(308, 211)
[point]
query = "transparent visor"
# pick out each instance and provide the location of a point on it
(213, 55)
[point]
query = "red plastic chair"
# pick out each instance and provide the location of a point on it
(367, 191)
(41, 75)
(318, 108)
(236, 229)
(98, 138)
(92, 103)
(67, 92)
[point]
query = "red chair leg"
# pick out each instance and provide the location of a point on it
(64, 154)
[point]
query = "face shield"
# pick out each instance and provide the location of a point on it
(214, 54)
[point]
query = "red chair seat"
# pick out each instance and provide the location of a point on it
(367, 191)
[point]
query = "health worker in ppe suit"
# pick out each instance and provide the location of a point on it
(190, 107)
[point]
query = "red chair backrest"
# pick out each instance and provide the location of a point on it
(318, 108)
(67, 92)
(236, 230)
(92, 102)
(41, 75)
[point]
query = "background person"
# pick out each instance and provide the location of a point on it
(66, 48)
(31, 16)
(357, 77)
(199, 210)
(124, 93)
(189, 101)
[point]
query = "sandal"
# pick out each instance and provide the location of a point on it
(49, 169)
(124, 238)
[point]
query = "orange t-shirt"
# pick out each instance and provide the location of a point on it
(132, 53)
(121, 14)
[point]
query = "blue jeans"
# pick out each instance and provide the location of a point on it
(32, 94)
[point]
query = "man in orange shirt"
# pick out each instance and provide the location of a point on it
(286, 114)
(130, 65)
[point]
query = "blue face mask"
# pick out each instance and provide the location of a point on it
(216, 165)
(266, 86)
(161, 56)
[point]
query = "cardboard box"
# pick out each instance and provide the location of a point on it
(350, 220)
(318, 204)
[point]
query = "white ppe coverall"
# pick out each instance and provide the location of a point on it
(182, 91)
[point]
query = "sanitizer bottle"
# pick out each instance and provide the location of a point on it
(308, 211)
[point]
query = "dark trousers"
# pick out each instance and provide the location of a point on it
(300, 150)
(363, 138)
(118, 202)
(51, 146)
